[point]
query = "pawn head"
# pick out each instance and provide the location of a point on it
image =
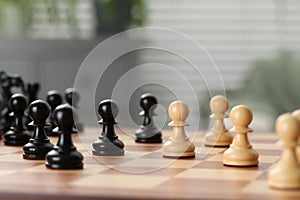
(72, 96)
(296, 114)
(287, 127)
(241, 116)
(64, 116)
(147, 101)
(178, 111)
(39, 110)
(108, 110)
(18, 103)
(219, 104)
(54, 98)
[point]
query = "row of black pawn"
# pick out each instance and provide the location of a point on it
(64, 155)
(37, 146)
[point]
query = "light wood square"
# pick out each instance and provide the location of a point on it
(135, 182)
(219, 174)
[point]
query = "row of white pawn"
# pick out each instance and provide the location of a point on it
(284, 175)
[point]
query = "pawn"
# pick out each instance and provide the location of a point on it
(64, 154)
(31, 91)
(240, 152)
(39, 145)
(72, 97)
(108, 143)
(218, 136)
(18, 134)
(178, 145)
(296, 114)
(148, 133)
(54, 99)
(286, 173)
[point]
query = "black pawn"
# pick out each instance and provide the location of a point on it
(18, 134)
(39, 145)
(148, 133)
(54, 99)
(31, 90)
(108, 143)
(64, 155)
(72, 97)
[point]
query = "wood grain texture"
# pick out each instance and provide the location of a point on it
(142, 173)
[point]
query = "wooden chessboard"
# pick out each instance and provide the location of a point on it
(142, 173)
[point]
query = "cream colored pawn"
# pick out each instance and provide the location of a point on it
(178, 145)
(286, 173)
(218, 135)
(240, 152)
(296, 113)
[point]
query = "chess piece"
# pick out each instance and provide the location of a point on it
(240, 152)
(64, 154)
(296, 113)
(218, 136)
(54, 99)
(32, 95)
(148, 133)
(72, 97)
(17, 135)
(108, 143)
(286, 173)
(39, 145)
(32, 91)
(178, 145)
(8, 83)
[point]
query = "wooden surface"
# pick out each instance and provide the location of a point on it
(142, 173)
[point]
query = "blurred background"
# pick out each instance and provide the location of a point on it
(255, 45)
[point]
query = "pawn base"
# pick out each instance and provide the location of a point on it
(179, 149)
(291, 183)
(218, 140)
(240, 156)
(105, 147)
(147, 134)
(59, 160)
(35, 150)
(12, 138)
(179, 155)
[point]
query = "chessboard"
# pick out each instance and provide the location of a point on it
(142, 173)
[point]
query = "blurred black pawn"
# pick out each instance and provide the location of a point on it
(54, 99)
(39, 145)
(17, 135)
(64, 154)
(148, 133)
(108, 143)
(9, 83)
(72, 97)
(31, 90)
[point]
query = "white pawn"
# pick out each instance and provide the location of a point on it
(218, 135)
(296, 114)
(286, 173)
(178, 145)
(240, 152)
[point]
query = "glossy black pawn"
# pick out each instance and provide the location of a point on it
(72, 97)
(39, 145)
(17, 135)
(108, 143)
(64, 154)
(54, 99)
(148, 133)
